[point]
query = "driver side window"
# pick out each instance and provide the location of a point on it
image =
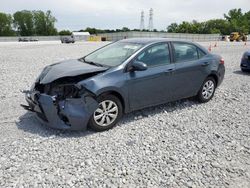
(155, 55)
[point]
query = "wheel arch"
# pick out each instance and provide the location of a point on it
(116, 94)
(215, 77)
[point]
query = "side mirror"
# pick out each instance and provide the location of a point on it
(137, 66)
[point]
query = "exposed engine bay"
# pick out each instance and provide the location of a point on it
(64, 88)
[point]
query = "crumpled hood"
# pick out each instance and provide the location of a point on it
(67, 68)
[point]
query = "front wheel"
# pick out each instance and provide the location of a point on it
(108, 113)
(207, 90)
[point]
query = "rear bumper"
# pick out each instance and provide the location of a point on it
(220, 74)
(70, 114)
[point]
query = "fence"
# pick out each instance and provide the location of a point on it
(40, 38)
(132, 34)
(184, 36)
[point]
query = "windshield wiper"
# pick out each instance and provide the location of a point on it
(91, 62)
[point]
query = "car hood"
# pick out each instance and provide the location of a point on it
(69, 68)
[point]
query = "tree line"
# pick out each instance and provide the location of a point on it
(234, 21)
(28, 23)
(39, 23)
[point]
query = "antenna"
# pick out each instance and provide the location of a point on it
(142, 26)
(151, 24)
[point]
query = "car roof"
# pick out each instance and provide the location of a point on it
(146, 41)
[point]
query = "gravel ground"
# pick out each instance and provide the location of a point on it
(180, 144)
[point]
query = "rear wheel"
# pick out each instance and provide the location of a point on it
(207, 90)
(108, 113)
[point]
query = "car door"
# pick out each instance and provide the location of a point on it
(152, 86)
(190, 69)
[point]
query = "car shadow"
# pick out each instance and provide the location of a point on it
(242, 73)
(29, 122)
(163, 108)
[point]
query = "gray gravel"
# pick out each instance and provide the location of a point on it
(180, 144)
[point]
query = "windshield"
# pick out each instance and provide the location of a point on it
(113, 54)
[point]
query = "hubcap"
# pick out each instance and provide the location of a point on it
(208, 89)
(106, 113)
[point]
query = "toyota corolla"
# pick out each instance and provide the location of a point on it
(128, 75)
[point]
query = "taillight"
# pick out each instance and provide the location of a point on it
(222, 61)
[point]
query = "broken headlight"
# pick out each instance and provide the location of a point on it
(65, 91)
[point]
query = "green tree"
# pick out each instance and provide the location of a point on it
(173, 28)
(44, 23)
(6, 25)
(220, 26)
(23, 22)
(238, 21)
(65, 32)
(125, 29)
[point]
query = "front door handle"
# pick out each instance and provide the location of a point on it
(205, 64)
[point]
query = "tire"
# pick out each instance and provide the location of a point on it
(207, 90)
(101, 119)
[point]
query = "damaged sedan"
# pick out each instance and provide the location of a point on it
(128, 75)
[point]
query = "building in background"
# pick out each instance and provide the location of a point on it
(80, 36)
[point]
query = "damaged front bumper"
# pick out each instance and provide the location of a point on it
(71, 114)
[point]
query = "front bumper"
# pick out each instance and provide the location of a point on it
(245, 64)
(71, 114)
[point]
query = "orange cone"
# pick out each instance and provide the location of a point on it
(210, 48)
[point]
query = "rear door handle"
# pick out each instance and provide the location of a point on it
(170, 70)
(205, 64)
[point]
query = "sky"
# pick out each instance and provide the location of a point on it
(113, 14)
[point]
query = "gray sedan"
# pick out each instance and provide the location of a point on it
(128, 75)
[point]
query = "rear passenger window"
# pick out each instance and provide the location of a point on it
(155, 55)
(185, 52)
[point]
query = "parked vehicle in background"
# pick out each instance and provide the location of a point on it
(238, 36)
(67, 39)
(245, 62)
(225, 38)
(26, 39)
(122, 77)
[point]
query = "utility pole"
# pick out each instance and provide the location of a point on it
(142, 26)
(151, 24)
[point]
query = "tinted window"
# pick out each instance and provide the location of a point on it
(185, 52)
(155, 55)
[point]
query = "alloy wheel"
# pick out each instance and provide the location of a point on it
(106, 113)
(208, 89)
